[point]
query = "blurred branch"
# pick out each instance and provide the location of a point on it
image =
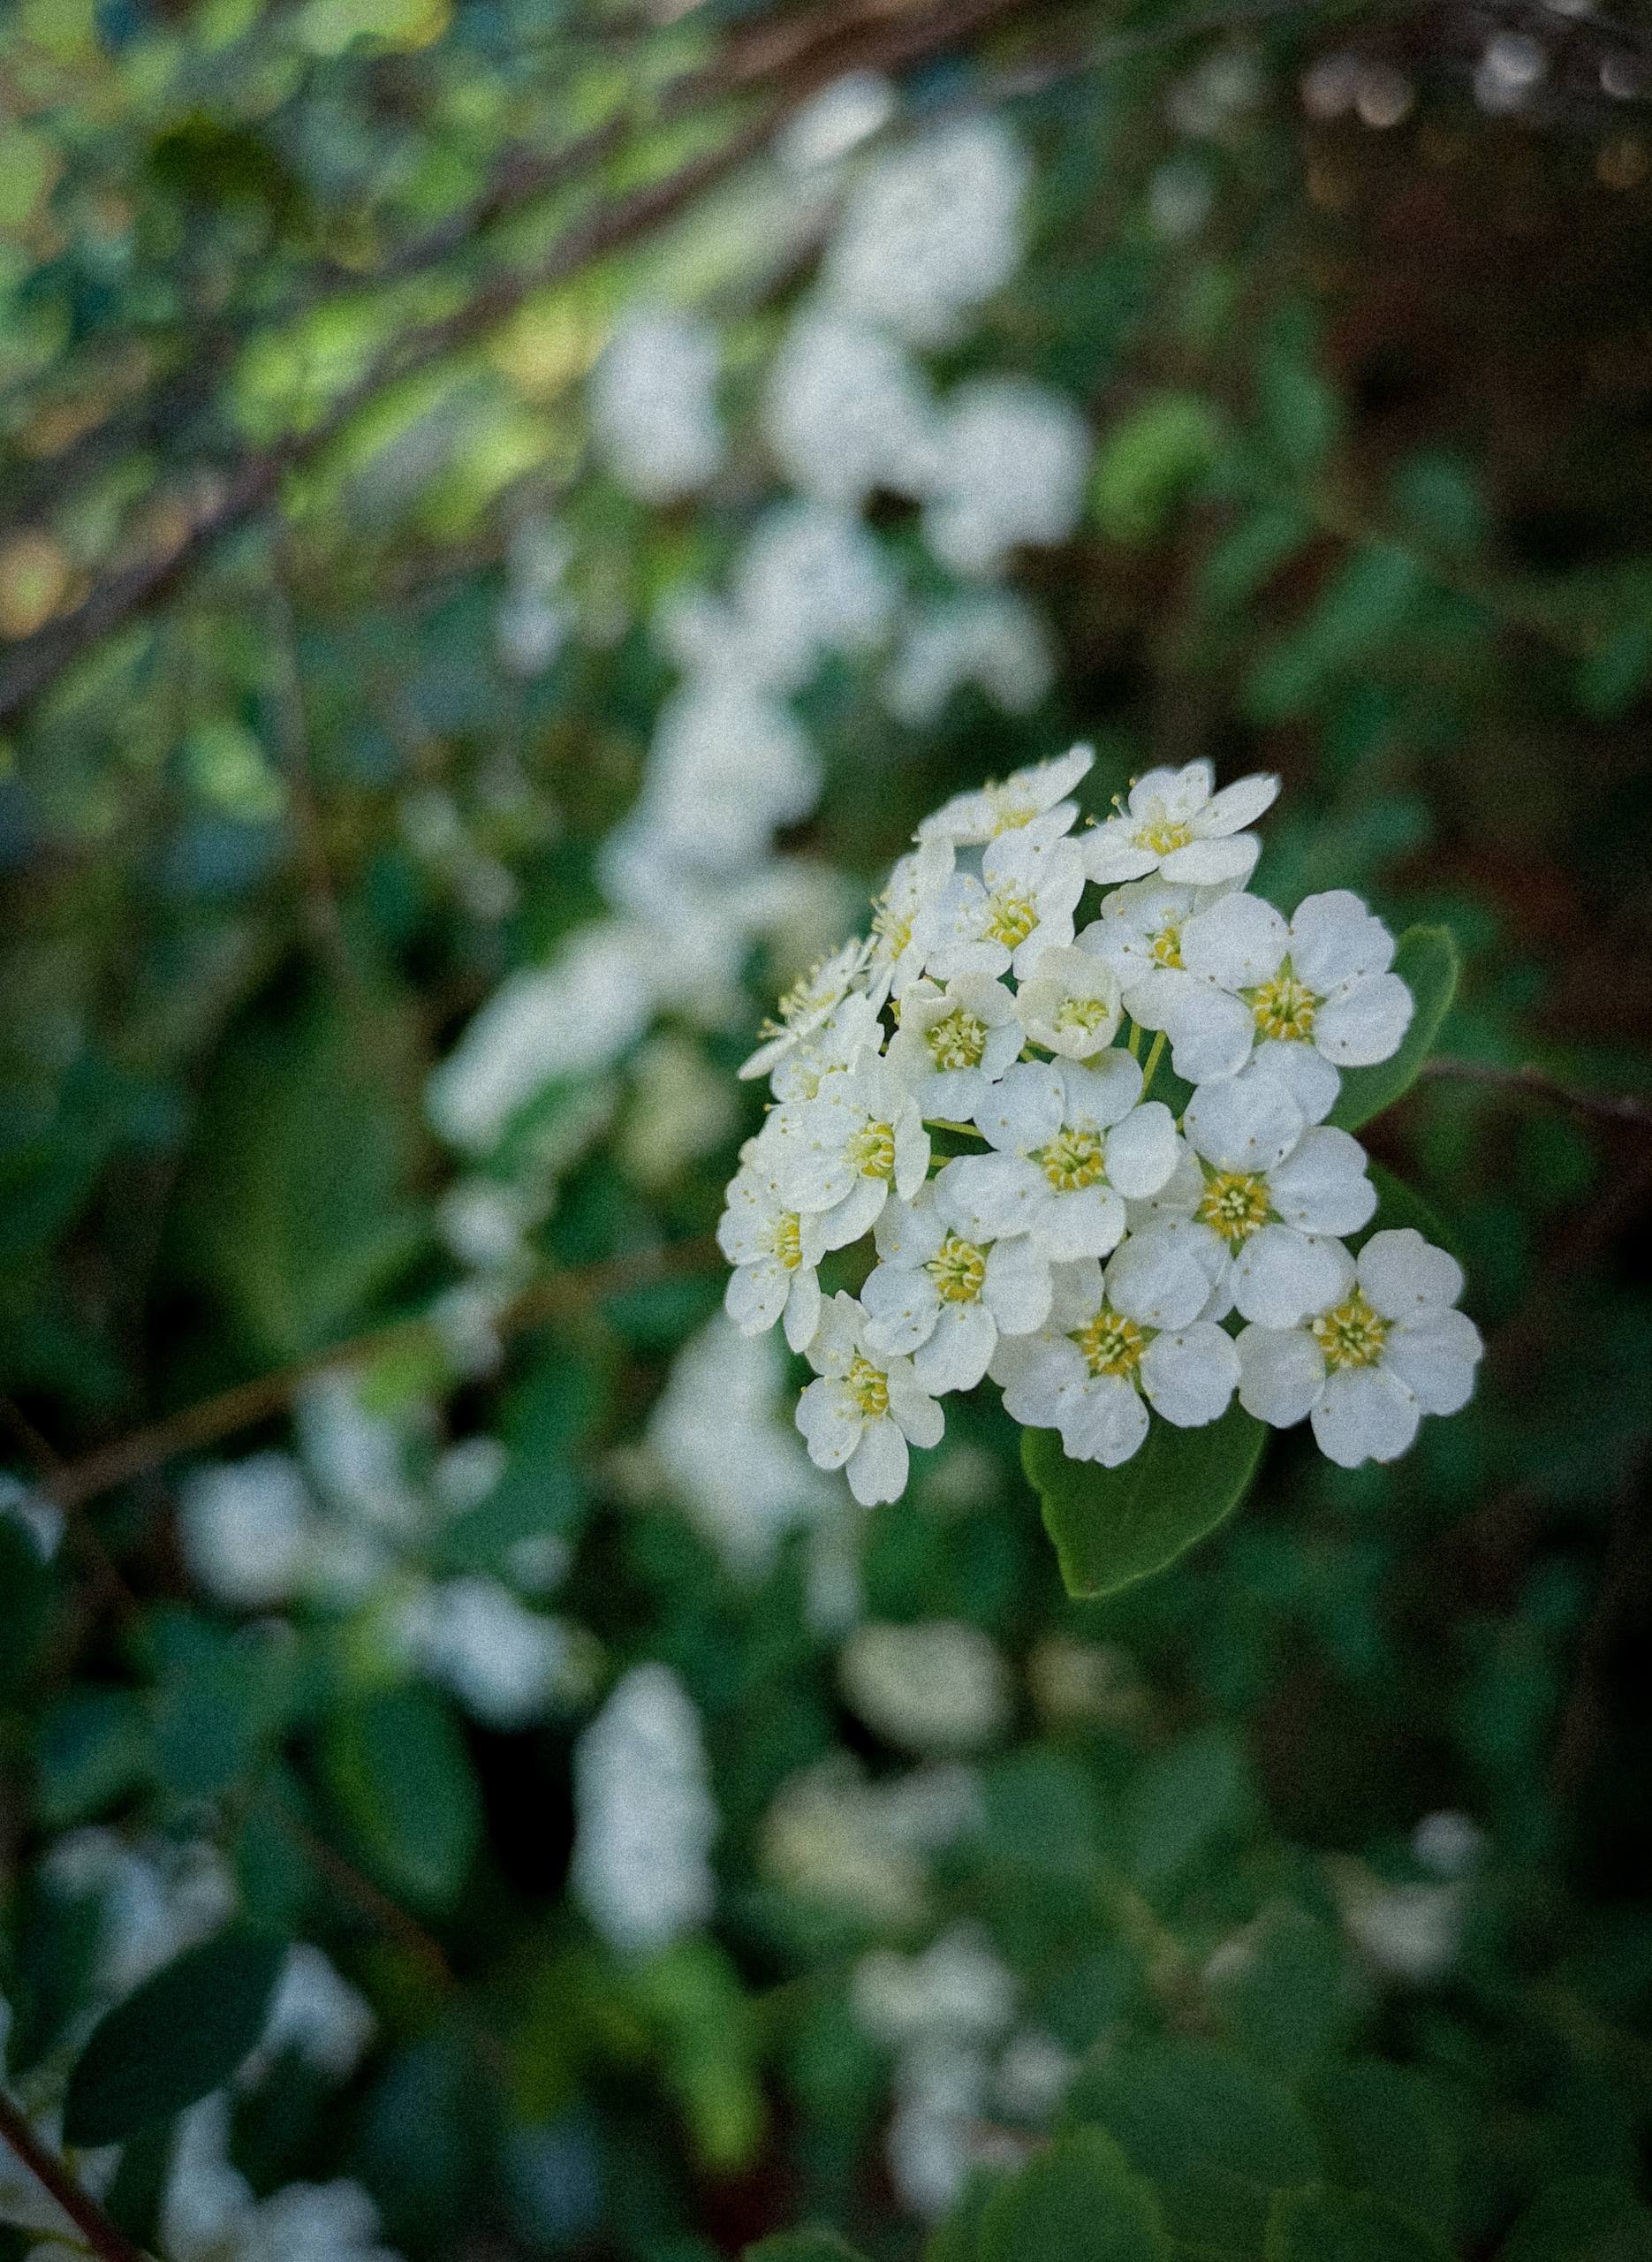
(75, 1482)
(1532, 1083)
(48, 2170)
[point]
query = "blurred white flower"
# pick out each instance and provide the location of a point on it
(209, 2212)
(356, 1454)
(728, 764)
(316, 2014)
(836, 120)
(249, 1529)
(993, 640)
(811, 580)
(1449, 1844)
(499, 1658)
(931, 231)
(1412, 1932)
(938, 1687)
(681, 1109)
(726, 1449)
(645, 1818)
(1005, 470)
(654, 406)
(536, 620)
(847, 412)
(830, 1835)
(38, 1516)
(155, 1898)
(544, 1025)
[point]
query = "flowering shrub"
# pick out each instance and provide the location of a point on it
(1144, 1249)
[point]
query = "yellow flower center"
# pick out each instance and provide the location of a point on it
(1007, 814)
(1011, 919)
(808, 994)
(892, 928)
(789, 1240)
(957, 1269)
(958, 1041)
(1163, 836)
(1352, 1335)
(1166, 946)
(872, 1150)
(1235, 1204)
(1112, 1344)
(1086, 1013)
(1284, 1007)
(1072, 1159)
(868, 1386)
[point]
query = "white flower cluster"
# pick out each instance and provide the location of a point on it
(1104, 1260)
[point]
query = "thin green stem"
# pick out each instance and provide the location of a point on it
(1134, 1041)
(1154, 1052)
(963, 1130)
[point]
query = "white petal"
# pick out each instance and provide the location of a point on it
(955, 1355)
(1310, 1079)
(1089, 1222)
(1017, 1289)
(1180, 793)
(1142, 1152)
(803, 1311)
(911, 1152)
(1110, 854)
(913, 1407)
(1282, 1373)
(830, 1421)
(838, 1338)
(1211, 1032)
(1100, 1091)
(1366, 1414)
(1238, 943)
(1321, 1186)
(1401, 1273)
(1075, 1294)
(756, 1296)
(1281, 1276)
(1335, 940)
(856, 1214)
(1156, 1278)
(909, 1233)
(1435, 1356)
(1366, 1023)
(1103, 1421)
(1248, 1122)
(903, 1304)
(1024, 1111)
(991, 1196)
(1238, 805)
(1207, 863)
(1191, 1376)
(877, 1469)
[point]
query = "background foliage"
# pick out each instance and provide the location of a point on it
(1300, 1890)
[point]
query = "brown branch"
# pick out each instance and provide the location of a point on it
(50, 2172)
(1618, 1108)
(211, 1420)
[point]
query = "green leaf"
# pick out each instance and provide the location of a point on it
(26, 1596)
(1080, 2201)
(398, 1768)
(90, 1748)
(177, 2037)
(1322, 2226)
(1385, 2133)
(1427, 961)
(1150, 460)
(1582, 2218)
(1397, 1207)
(1113, 1526)
(957, 2238)
(802, 2246)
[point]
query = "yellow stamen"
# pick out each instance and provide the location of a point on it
(1163, 836)
(1235, 1204)
(867, 1386)
(958, 1041)
(1352, 1335)
(1284, 1007)
(1011, 918)
(1166, 946)
(1086, 1013)
(872, 1150)
(1112, 1344)
(789, 1240)
(957, 1269)
(1074, 1159)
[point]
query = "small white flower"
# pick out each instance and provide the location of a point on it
(1313, 997)
(836, 1157)
(901, 917)
(807, 1005)
(1118, 1338)
(865, 1406)
(1386, 1347)
(941, 1297)
(1070, 1004)
(953, 1043)
(1272, 1191)
(1037, 792)
(775, 1251)
(1177, 823)
(1140, 935)
(653, 404)
(1073, 1146)
(1021, 905)
(850, 1035)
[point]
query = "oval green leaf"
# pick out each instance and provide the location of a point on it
(1427, 961)
(1080, 2201)
(397, 1766)
(1323, 2226)
(174, 2040)
(1114, 1526)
